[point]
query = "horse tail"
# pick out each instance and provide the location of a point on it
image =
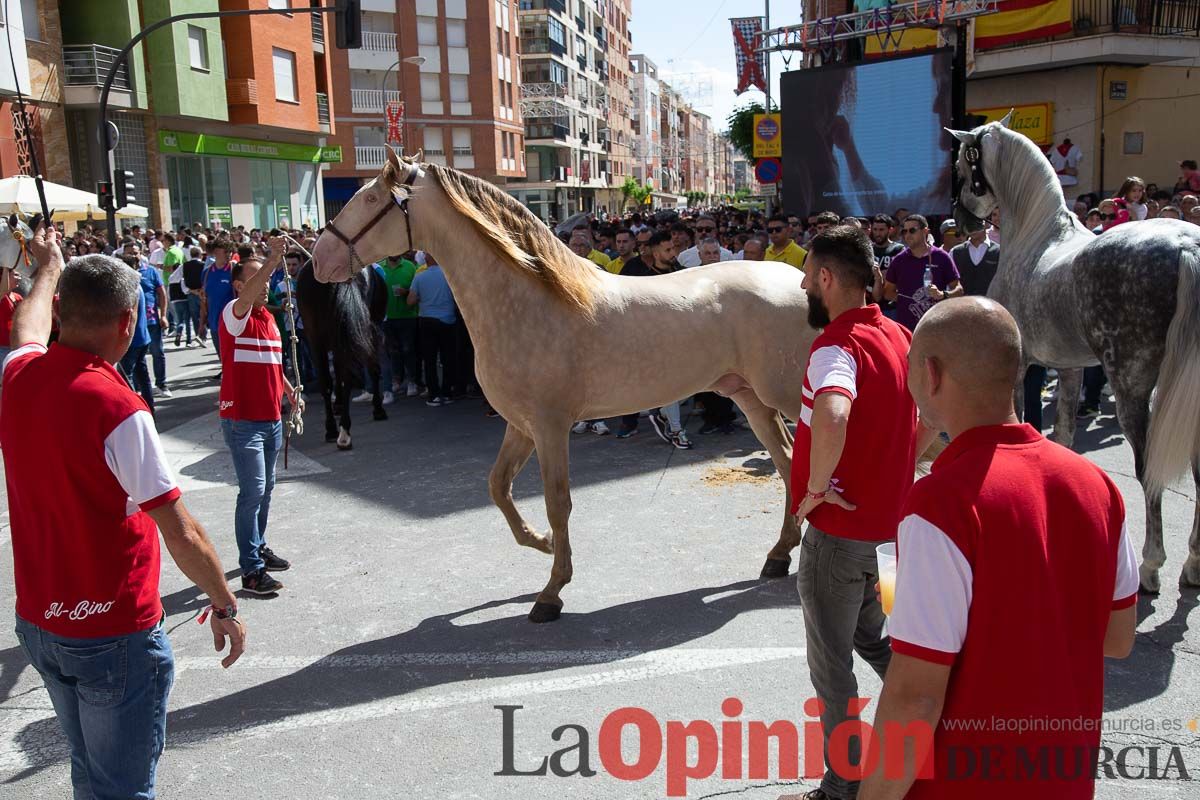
(1174, 441)
(353, 335)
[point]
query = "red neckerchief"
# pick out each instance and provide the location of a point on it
(1063, 149)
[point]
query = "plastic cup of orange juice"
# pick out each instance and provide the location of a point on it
(885, 555)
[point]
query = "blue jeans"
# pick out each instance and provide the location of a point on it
(134, 365)
(255, 447)
(157, 356)
(193, 301)
(110, 697)
(183, 320)
(401, 341)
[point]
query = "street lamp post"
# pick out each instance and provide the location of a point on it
(418, 60)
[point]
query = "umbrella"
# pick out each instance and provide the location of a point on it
(19, 194)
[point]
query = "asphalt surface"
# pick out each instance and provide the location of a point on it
(378, 671)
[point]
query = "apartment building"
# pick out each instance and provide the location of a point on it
(33, 27)
(220, 121)
(449, 71)
(567, 87)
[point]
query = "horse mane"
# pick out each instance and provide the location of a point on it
(1023, 173)
(519, 239)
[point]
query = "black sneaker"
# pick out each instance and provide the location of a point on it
(273, 562)
(626, 433)
(661, 426)
(260, 582)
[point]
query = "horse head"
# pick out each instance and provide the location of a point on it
(355, 238)
(976, 158)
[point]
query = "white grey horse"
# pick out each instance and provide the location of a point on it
(1129, 300)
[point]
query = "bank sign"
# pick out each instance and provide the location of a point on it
(208, 145)
(1034, 121)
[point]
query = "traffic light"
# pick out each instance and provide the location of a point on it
(347, 24)
(123, 188)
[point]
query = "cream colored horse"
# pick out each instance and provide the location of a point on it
(557, 340)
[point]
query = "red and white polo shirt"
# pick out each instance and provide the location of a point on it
(251, 365)
(8, 306)
(1012, 555)
(864, 356)
(83, 464)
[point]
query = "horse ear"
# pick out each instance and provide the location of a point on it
(393, 160)
(1007, 121)
(963, 136)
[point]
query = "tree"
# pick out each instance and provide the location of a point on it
(741, 127)
(635, 192)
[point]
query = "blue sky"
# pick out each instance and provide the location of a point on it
(692, 38)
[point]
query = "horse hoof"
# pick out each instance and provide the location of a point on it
(1190, 577)
(776, 568)
(1149, 583)
(345, 447)
(379, 414)
(545, 612)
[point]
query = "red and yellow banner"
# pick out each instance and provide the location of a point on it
(1014, 21)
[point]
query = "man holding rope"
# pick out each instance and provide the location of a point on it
(88, 485)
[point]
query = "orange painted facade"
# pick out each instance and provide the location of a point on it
(250, 84)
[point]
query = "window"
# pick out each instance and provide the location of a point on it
(459, 89)
(31, 20)
(461, 139)
(284, 62)
(558, 73)
(456, 33)
(427, 32)
(279, 3)
(431, 88)
(433, 142)
(557, 32)
(504, 144)
(198, 47)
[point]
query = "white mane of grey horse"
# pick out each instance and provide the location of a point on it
(1129, 300)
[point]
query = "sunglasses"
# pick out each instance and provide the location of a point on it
(1108, 216)
(910, 230)
(706, 230)
(775, 230)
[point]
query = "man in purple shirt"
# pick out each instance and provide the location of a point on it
(905, 279)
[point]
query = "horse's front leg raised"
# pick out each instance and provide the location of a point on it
(514, 453)
(769, 427)
(552, 453)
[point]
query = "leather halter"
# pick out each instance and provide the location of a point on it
(414, 172)
(974, 158)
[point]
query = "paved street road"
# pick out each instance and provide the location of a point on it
(377, 672)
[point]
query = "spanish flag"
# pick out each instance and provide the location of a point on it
(1014, 21)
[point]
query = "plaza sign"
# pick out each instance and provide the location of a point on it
(209, 145)
(1035, 121)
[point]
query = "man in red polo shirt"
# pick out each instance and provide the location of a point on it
(852, 464)
(8, 305)
(252, 388)
(88, 491)
(1016, 577)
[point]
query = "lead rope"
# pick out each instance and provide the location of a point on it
(295, 422)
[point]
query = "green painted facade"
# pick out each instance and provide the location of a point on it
(111, 23)
(181, 90)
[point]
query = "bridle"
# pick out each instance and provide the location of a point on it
(414, 172)
(974, 158)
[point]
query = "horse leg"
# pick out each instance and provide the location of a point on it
(553, 458)
(1133, 412)
(1191, 567)
(1069, 381)
(344, 440)
(514, 453)
(377, 411)
(768, 426)
(326, 383)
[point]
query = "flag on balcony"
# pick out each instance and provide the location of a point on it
(1020, 20)
(751, 66)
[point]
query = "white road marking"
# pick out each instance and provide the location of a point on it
(48, 747)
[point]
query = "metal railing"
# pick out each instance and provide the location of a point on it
(1149, 17)
(541, 130)
(318, 28)
(370, 157)
(322, 108)
(378, 41)
(370, 101)
(88, 65)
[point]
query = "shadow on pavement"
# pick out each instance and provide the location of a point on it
(1146, 674)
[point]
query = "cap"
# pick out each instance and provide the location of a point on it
(949, 225)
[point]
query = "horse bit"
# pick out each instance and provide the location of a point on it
(414, 172)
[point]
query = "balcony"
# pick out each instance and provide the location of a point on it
(379, 42)
(543, 5)
(85, 67)
(372, 101)
(323, 111)
(378, 51)
(1105, 31)
(539, 45)
(318, 32)
(542, 129)
(370, 157)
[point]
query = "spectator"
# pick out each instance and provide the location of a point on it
(783, 248)
(1193, 216)
(1189, 178)
(994, 225)
(177, 295)
(1187, 203)
(1030, 508)
(1133, 193)
(1169, 212)
(252, 387)
(76, 543)
(133, 364)
(8, 306)
(156, 317)
(710, 251)
(920, 275)
(400, 326)
(1081, 209)
(1065, 158)
(884, 249)
(950, 237)
(1112, 213)
(626, 250)
(193, 283)
(858, 424)
(217, 288)
(977, 260)
(706, 228)
(754, 249)
(1093, 221)
(436, 316)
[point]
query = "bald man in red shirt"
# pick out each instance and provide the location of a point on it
(1016, 577)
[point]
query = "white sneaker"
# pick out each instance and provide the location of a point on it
(600, 428)
(580, 427)
(388, 398)
(201, 343)
(412, 390)
(365, 397)
(162, 391)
